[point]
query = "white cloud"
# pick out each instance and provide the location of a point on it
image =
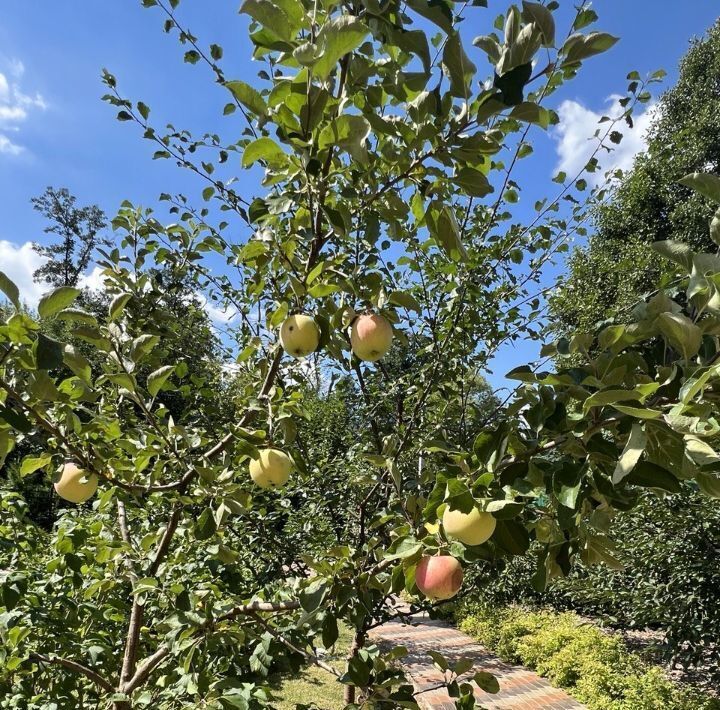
(218, 315)
(7, 146)
(19, 262)
(575, 139)
(15, 105)
(95, 280)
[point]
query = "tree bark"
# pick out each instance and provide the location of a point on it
(350, 690)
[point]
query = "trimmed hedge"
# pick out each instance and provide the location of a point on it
(594, 667)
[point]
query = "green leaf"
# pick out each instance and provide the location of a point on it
(512, 537)
(457, 66)
(678, 252)
(48, 353)
(704, 183)
(412, 42)
(473, 182)
(15, 419)
(512, 84)
(437, 11)
(76, 315)
(118, 304)
(634, 448)
(487, 682)
(709, 484)
(681, 332)
(348, 132)
(56, 300)
(42, 387)
(248, 97)
(205, 526)
(337, 38)
(696, 383)
(404, 299)
(532, 113)
(715, 227)
(521, 51)
(274, 19)
(279, 315)
(157, 379)
(579, 47)
(330, 631)
(445, 230)
(568, 495)
(404, 547)
(610, 396)
(264, 149)
(650, 475)
(31, 464)
(9, 288)
(543, 18)
(313, 595)
(439, 660)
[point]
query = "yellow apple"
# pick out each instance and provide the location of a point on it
(471, 528)
(439, 577)
(299, 335)
(76, 484)
(272, 469)
(371, 336)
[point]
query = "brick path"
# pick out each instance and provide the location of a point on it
(520, 688)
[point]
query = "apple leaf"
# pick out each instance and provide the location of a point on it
(56, 300)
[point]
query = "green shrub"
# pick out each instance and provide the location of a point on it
(671, 581)
(593, 666)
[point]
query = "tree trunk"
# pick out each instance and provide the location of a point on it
(357, 644)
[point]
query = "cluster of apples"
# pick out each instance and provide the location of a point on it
(370, 337)
(441, 576)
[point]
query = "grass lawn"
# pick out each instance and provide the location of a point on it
(313, 684)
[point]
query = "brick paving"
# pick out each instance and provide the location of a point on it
(520, 688)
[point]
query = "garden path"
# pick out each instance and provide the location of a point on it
(520, 688)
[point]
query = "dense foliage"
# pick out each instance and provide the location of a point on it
(649, 204)
(595, 667)
(387, 196)
(669, 581)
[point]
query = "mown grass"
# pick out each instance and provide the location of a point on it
(313, 686)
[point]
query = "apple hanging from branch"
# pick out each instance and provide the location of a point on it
(371, 336)
(299, 335)
(439, 577)
(271, 469)
(75, 484)
(473, 528)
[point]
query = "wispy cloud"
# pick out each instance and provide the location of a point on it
(575, 142)
(15, 105)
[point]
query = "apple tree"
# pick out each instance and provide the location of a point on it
(385, 218)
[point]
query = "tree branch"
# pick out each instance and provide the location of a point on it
(145, 668)
(76, 667)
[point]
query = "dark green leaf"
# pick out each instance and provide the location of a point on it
(48, 353)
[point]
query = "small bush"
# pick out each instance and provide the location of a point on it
(596, 668)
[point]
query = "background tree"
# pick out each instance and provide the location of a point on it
(649, 204)
(77, 230)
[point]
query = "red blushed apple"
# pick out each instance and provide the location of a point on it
(439, 577)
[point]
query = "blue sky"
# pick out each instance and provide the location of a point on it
(54, 130)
